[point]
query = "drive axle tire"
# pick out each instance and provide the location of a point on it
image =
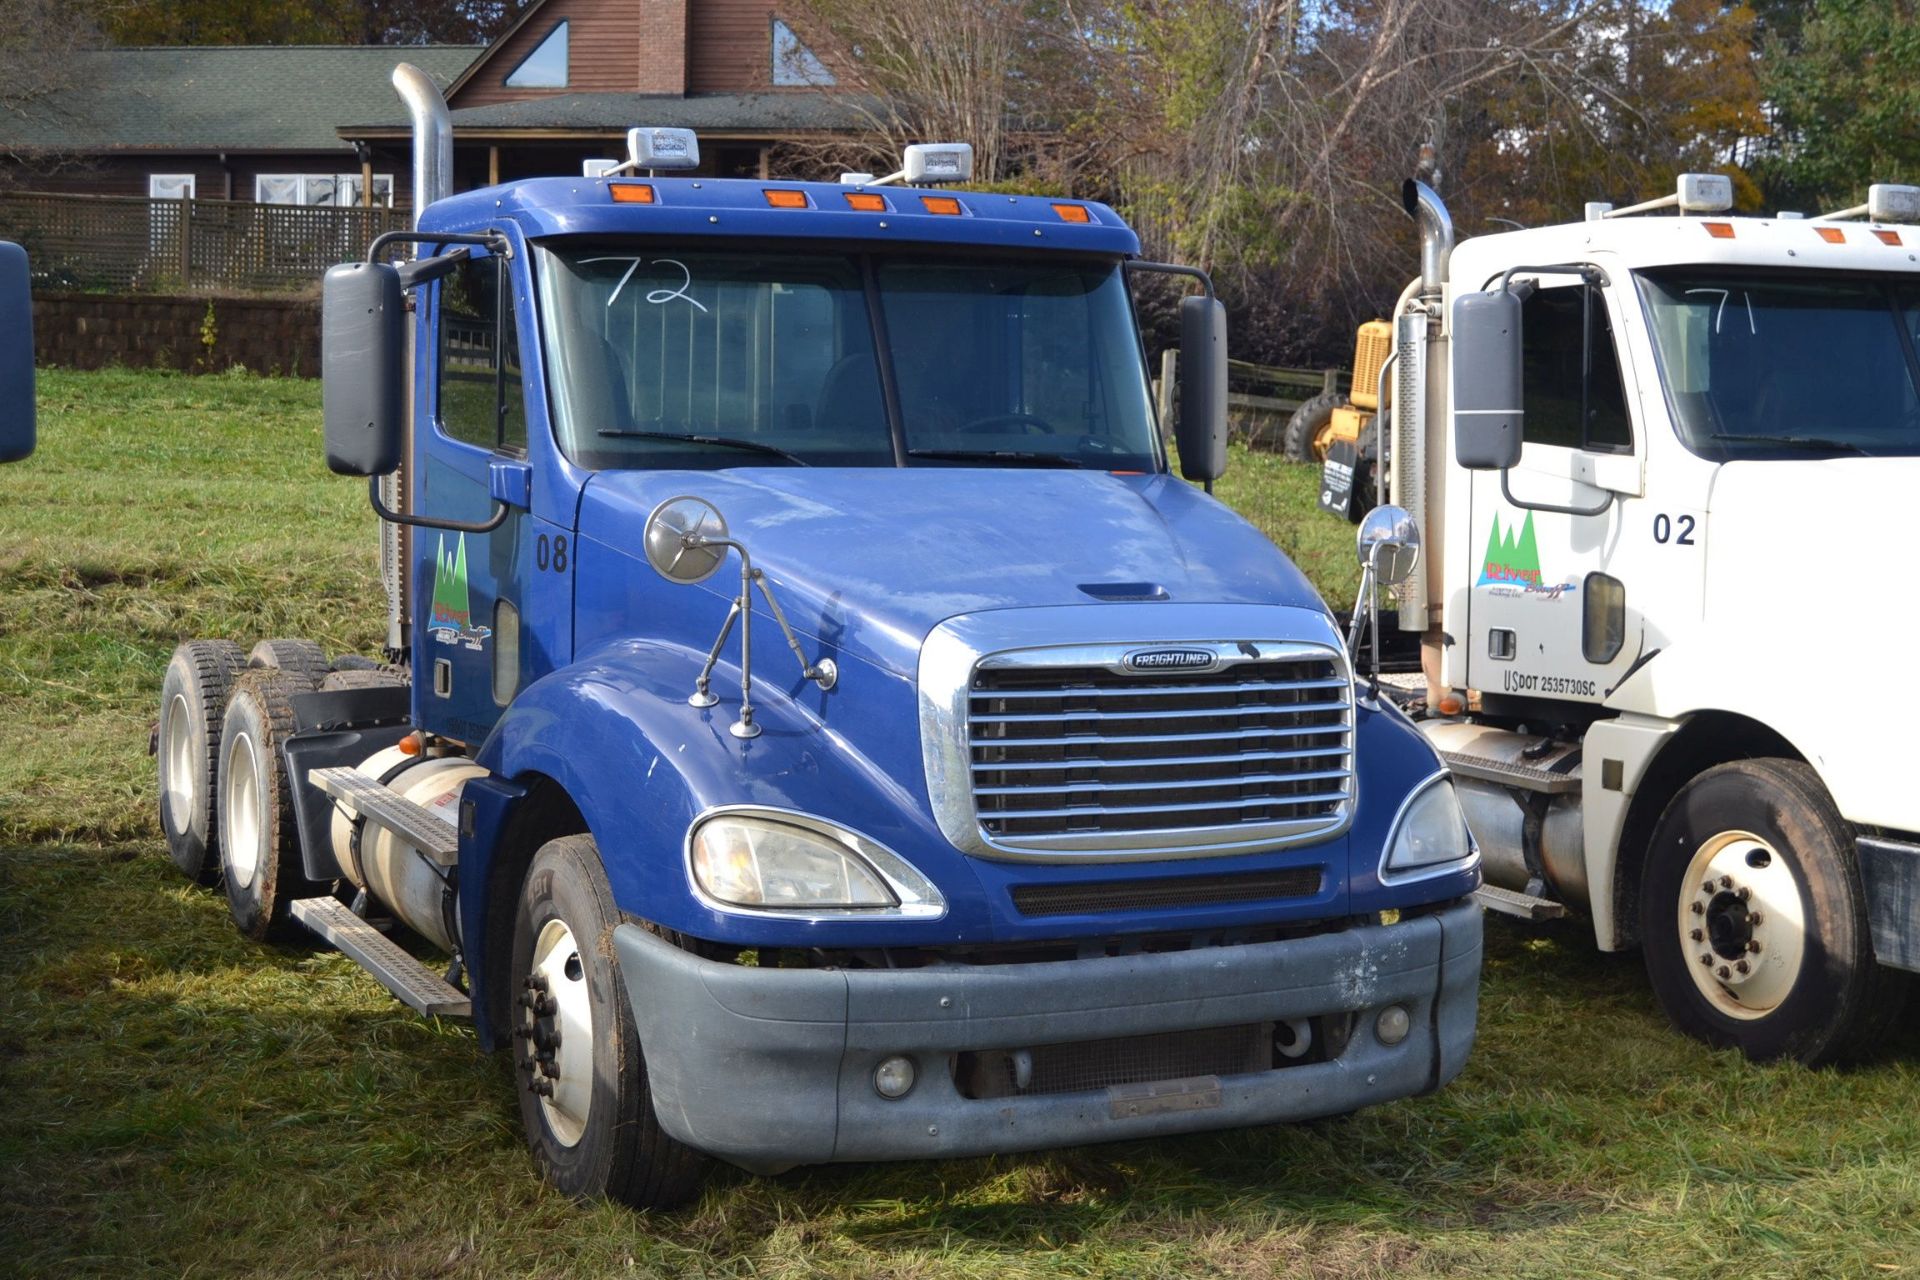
(302, 658)
(578, 1064)
(259, 845)
(1754, 919)
(1305, 426)
(193, 699)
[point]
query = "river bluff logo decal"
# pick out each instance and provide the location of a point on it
(1511, 561)
(1512, 564)
(452, 618)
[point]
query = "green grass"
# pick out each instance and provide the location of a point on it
(177, 1101)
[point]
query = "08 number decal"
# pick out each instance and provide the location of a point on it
(1675, 529)
(550, 554)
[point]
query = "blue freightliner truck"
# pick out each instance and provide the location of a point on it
(816, 722)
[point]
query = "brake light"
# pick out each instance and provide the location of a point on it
(630, 192)
(940, 204)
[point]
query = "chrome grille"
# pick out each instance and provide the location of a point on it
(1095, 755)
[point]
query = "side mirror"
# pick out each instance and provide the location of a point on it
(16, 354)
(1389, 544)
(1202, 429)
(363, 368)
(1486, 380)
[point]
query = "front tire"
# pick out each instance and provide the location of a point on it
(259, 844)
(579, 1069)
(1754, 918)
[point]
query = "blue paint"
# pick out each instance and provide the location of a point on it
(866, 562)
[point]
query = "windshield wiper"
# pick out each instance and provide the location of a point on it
(1795, 442)
(727, 442)
(1021, 457)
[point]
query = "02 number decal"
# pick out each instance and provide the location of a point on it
(1675, 529)
(550, 554)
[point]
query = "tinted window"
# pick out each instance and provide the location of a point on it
(1784, 365)
(1573, 392)
(480, 400)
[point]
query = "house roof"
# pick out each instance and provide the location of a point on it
(220, 98)
(603, 113)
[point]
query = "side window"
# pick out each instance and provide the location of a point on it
(1574, 396)
(480, 401)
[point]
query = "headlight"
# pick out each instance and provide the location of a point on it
(1431, 830)
(771, 861)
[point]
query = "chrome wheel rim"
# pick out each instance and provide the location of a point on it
(563, 1027)
(243, 825)
(1742, 925)
(176, 755)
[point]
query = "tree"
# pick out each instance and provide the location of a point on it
(204, 22)
(1846, 102)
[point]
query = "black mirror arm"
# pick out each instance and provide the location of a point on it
(492, 522)
(1174, 269)
(1506, 491)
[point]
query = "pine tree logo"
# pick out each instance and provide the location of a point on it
(452, 618)
(1511, 560)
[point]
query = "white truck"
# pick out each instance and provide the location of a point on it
(1656, 460)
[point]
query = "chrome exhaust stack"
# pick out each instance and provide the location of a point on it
(1424, 205)
(432, 137)
(432, 180)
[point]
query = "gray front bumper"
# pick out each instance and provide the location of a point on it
(771, 1068)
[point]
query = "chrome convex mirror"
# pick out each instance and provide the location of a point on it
(686, 542)
(1389, 543)
(1389, 548)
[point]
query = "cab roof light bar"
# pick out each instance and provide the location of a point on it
(1695, 193)
(1886, 202)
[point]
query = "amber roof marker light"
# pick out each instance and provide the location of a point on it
(1073, 213)
(784, 198)
(630, 192)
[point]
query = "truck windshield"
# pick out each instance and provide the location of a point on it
(693, 358)
(1788, 364)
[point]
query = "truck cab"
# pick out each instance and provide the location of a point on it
(1652, 452)
(818, 723)
(16, 354)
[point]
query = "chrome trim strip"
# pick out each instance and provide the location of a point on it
(1435, 870)
(1103, 636)
(1299, 708)
(1150, 762)
(1177, 784)
(902, 877)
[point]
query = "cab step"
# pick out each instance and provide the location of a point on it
(363, 797)
(416, 986)
(1519, 776)
(1525, 906)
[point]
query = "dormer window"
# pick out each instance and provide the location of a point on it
(793, 62)
(546, 66)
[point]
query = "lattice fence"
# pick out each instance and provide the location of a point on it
(125, 244)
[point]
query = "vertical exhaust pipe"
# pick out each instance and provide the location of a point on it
(432, 180)
(1424, 206)
(432, 137)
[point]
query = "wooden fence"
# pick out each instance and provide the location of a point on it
(1260, 398)
(126, 244)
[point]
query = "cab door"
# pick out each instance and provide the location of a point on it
(493, 610)
(1548, 614)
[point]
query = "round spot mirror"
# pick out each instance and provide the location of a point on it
(686, 539)
(1392, 531)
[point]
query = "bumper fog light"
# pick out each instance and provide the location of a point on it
(1393, 1024)
(893, 1077)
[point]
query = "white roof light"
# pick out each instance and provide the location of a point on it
(662, 149)
(597, 168)
(1889, 203)
(931, 162)
(855, 179)
(1705, 193)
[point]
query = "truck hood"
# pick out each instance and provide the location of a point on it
(869, 560)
